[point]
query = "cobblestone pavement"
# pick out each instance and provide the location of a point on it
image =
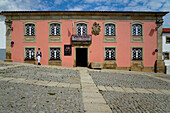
(34, 89)
(133, 93)
(127, 80)
(44, 74)
(47, 89)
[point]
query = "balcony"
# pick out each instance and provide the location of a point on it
(81, 40)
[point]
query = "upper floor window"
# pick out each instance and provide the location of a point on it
(109, 30)
(55, 29)
(29, 29)
(29, 53)
(110, 54)
(137, 54)
(81, 29)
(168, 40)
(55, 54)
(137, 30)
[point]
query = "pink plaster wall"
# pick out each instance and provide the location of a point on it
(96, 48)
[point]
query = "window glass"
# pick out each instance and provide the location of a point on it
(110, 29)
(30, 29)
(81, 29)
(137, 54)
(29, 54)
(55, 29)
(168, 40)
(110, 54)
(166, 56)
(137, 30)
(54, 53)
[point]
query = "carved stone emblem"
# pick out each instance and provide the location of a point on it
(96, 29)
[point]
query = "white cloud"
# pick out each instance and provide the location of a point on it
(102, 8)
(166, 23)
(78, 7)
(17, 5)
(154, 5)
(58, 2)
(91, 1)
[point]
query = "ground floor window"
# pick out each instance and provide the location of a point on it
(29, 53)
(55, 54)
(166, 56)
(110, 53)
(137, 54)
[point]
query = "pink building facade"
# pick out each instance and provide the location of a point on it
(116, 40)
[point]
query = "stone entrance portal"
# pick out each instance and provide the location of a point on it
(81, 57)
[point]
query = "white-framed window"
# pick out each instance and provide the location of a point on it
(137, 54)
(55, 29)
(167, 40)
(55, 54)
(81, 29)
(109, 30)
(166, 56)
(30, 29)
(29, 53)
(110, 54)
(136, 30)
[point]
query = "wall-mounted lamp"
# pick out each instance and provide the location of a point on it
(159, 22)
(156, 50)
(9, 22)
(12, 43)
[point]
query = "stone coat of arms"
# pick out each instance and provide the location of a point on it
(96, 29)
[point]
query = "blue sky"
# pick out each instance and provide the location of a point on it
(88, 5)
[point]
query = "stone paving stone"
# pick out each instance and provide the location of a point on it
(32, 98)
(127, 80)
(133, 93)
(96, 100)
(43, 74)
(4, 65)
(165, 91)
(136, 102)
(52, 84)
(129, 90)
(91, 94)
(43, 83)
(139, 90)
(155, 91)
(118, 89)
(97, 108)
(92, 104)
(88, 86)
(32, 89)
(74, 85)
(25, 96)
(6, 79)
(109, 88)
(63, 85)
(102, 88)
(164, 76)
(18, 80)
(28, 81)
